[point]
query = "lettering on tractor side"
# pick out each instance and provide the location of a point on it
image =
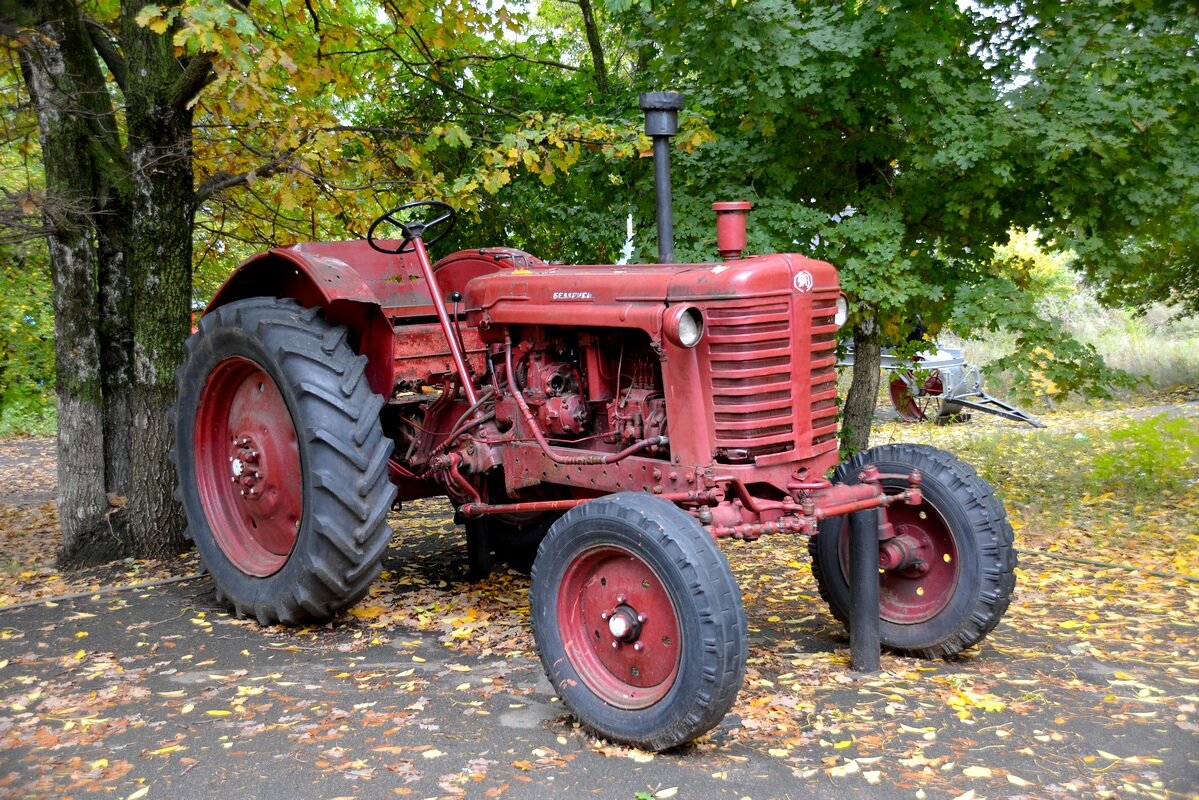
(607, 445)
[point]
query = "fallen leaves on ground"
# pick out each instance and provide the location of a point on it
(431, 686)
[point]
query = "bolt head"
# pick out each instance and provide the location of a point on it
(638, 647)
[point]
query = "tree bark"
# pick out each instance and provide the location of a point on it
(57, 77)
(863, 390)
(161, 205)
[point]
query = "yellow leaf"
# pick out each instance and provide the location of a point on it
(434, 753)
(218, 712)
(3, 663)
(140, 793)
(1016, 780)
(671, 792)
(187, 709)
(1108, 756)
(779, 752)
(977, 772)
(171, 748)
(99, 763)
(1122, 676)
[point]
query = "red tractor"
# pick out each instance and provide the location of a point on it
(606, 423)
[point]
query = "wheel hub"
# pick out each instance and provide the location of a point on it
(904, 552)
(245, 467)
(624, 624)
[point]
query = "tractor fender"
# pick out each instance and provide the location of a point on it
(316, 277)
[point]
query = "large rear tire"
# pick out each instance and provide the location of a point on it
(960, 530)
(282, 461)
(638, 620)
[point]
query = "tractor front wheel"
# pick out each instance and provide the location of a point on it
(955, 568)
(282, 461)
(638, 620)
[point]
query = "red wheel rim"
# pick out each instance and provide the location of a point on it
(919, 589)
(915, 408)
(619, 627)
(248, 467)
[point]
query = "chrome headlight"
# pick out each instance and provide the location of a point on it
(842, 314)
(684, 326)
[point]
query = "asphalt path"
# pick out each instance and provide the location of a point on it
(432, 690)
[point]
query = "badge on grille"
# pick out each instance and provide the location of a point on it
(804, 281)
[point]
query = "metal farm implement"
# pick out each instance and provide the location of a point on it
(607, 424)
(942, 386)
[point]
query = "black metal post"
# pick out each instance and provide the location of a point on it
(661, 122)
(864, 645)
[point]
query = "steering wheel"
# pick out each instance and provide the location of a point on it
(414, 230)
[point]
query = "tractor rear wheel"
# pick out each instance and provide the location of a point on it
(282, 461)
(958, 575)
(638, 620)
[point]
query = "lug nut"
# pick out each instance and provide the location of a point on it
(638, 646)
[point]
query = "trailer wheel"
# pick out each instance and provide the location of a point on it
(282, 461)
(922, 405)
(959, 576)
(638, 620)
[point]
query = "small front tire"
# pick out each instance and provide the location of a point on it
(968, 574)
(638, 621)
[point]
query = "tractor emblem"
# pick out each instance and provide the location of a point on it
(804, 281)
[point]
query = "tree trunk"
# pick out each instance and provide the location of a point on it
(161, 204)
(56, 79)
(863, 391)
(597, 47)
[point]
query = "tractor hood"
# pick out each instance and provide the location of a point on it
(636, 295)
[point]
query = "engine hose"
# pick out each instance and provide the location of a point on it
(531, 421)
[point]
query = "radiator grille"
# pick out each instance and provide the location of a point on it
(751, 378)
(823, 380)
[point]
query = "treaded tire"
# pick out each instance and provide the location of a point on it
(340, 531)
(977, 581)
(668, 562)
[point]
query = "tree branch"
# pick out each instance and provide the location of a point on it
(198, 74)
(220, 181)
(102, 41)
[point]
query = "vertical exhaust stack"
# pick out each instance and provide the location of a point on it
(661, 122)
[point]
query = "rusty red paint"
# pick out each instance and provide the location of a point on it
(636, 667)
(248, 468)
